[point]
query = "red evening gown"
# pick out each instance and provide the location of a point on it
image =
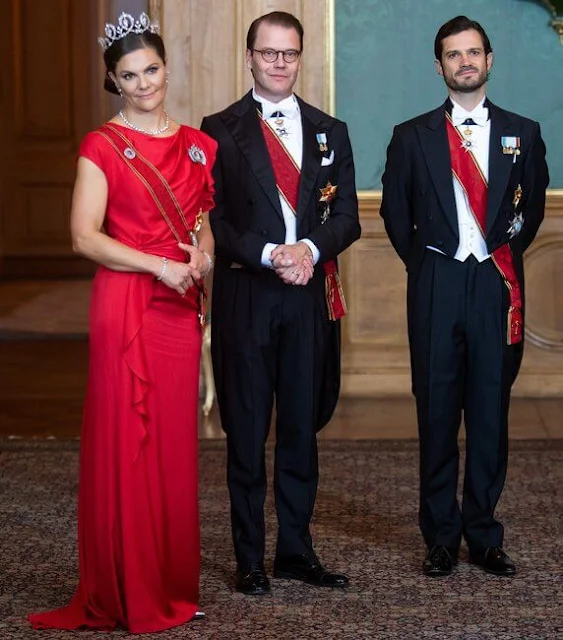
(138, 528)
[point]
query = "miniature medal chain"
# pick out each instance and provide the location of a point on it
(467, 133)
(281, 128)
(197, 226)
(201, 291)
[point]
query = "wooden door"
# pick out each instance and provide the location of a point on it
(50, 88)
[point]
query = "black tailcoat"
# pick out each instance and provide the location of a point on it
(248, 212)
(419, 207)
(272, 341)
(457, 313)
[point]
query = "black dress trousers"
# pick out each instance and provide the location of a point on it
(461, 366)
(272, 350)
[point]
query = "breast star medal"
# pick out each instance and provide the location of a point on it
(515, 225)
(517, 222)
(328, 194)
(517, 196)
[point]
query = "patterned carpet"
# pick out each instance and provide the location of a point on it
(365, 525)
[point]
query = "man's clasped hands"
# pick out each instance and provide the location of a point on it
(293, 263)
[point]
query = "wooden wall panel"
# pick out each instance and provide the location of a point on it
(6, 132)
(384, 323)
(49, 235)
(43, 95)
(375, 347)
(201, 57)
(544, 272)
(206, 43)
(542, 368)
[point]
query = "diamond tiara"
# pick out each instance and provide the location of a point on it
(126, 24)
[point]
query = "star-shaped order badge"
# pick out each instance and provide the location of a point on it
(466, 144)
(517, 196)
(515, 225)
(328, 194)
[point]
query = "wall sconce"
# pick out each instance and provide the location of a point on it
(556, 9)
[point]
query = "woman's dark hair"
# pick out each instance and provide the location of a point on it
(131, 42)
(279, 19)
(457, 25)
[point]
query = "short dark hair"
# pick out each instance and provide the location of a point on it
(131, 42)
(278, 18)
(457, 25)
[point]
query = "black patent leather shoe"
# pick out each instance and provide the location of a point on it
(494, 560)
(307, 568)
(439, 561)
(252, 580)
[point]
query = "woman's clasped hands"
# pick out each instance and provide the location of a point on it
(180, 276)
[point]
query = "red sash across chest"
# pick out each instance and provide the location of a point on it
(288, 175)
(162, 195)
(467, 172)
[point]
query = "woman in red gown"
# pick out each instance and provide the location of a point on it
(142, 184)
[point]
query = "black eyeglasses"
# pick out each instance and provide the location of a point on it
(271, 55)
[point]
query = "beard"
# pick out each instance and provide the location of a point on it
(467, 86)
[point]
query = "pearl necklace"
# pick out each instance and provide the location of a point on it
(150, 132)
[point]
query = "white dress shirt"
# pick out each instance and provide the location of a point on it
(471, 240)
(293, 142)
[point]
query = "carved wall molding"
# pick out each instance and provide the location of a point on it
(375, 345)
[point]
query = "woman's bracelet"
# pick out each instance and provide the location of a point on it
(209, 262)
(163, 269)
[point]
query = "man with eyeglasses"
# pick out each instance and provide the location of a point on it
(286, 207)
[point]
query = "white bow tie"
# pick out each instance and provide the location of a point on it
(479, 115)
(287, 106)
